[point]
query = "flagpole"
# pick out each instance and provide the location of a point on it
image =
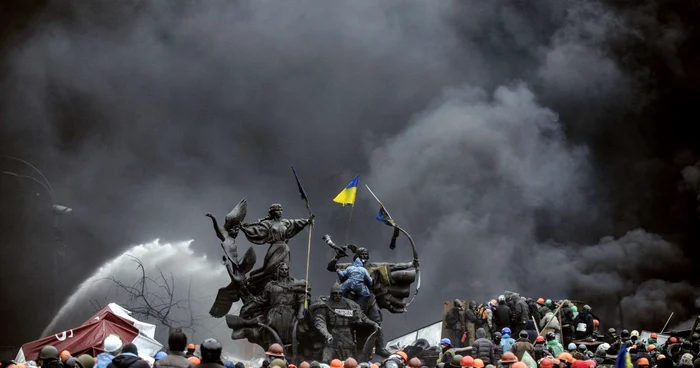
(308, 261)
(347, 232)
(378, 201)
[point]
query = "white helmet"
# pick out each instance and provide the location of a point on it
(113, 343)
(501, 298)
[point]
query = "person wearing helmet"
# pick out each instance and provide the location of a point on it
(190, 350)
(467, 362)
(471, 317)
(415, 363)
(483, 348)
(522, 345)
(584, 323)
(543, 308)
(65, 355)
(567, 322)
(506, 340)
(534, 309)
(455, 363)
(577, 352)
(128, 358)
(501, 317)
(652, 339)
(634, 337)
(447, 350)
(274, 351)
(497, 351)
(554, 345)
(112, 346)
(571, 347)
(47, 354)
(519, 365)
(478, 363)
(210, 349)
(541, 350)
(507, 360)
(454, 323)
(177, 343)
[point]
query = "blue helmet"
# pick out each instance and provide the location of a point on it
(505, 331)
(445, 342)
(160, 355)
(571, 346)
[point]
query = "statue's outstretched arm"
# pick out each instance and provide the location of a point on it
(219, 234)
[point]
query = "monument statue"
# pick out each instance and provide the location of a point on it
(336, 317)
(391, 285)
(272, 299)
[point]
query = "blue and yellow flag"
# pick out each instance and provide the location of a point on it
(623, 358)
(347, 195)
(384, 217)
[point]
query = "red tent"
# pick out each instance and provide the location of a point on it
(87, 338)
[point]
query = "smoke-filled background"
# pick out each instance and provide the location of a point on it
(548, 147)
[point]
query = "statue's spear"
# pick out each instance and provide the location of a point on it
(302, 192)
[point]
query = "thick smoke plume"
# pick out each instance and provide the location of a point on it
(529, 146)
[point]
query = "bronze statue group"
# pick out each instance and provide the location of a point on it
(278, 308)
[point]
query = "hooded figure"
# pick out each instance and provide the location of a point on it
(482, 348)
(501, 317)
(454, 321)
(522, 345)
(356, 280)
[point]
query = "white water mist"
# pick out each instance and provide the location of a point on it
(193, 274)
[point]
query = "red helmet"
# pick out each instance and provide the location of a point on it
(654, 336)
(539, 339)
(673, 340)
(467, 361)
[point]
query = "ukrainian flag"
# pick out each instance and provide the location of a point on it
(384, 217)
(347, 196)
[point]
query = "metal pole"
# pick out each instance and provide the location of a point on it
(667, 321)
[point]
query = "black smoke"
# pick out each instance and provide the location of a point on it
(542, 147)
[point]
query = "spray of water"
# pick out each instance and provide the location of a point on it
(193, 274)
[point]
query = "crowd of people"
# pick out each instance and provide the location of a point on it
(518, 332)
(505, 333)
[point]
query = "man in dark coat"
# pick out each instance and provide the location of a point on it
(483, 348)
(128, 358)
(501, 317)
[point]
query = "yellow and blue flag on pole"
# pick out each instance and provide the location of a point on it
(347, 195)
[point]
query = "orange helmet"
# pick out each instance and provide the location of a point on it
(540, 301)
(467, 361)
(654, 335)
(596, 323)
(478, 363)
(519, 365)
(194, 360)
(350, 363)
(191, 347)
(651, 348)
(336, 363)
(546, 363)
(403, 356)
(373, 366)
(660, 356)
(65, 355)
(566, 357)
(509, 357)
(642, 362)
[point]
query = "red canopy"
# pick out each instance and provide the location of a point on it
(88, 338)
